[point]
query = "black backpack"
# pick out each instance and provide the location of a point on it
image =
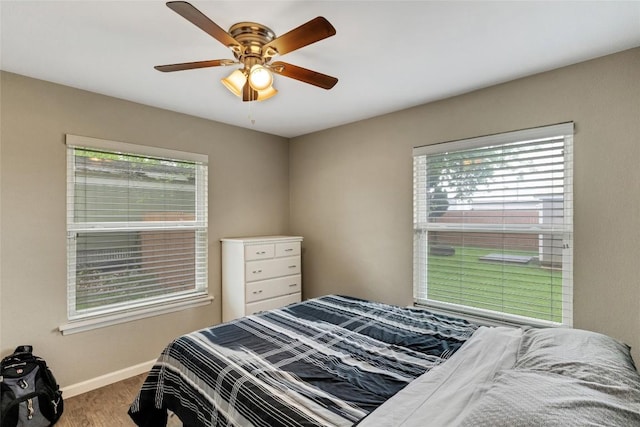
(30, 395)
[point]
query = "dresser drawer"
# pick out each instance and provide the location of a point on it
(268, 269)
(253, 252)
(272, 303)
(287, 249)
(265, 289)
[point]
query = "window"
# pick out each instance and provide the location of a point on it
(493, 226)
(136, 227)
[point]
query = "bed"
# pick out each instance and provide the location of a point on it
(343, 361)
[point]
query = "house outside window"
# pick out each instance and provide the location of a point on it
(136, 229)
(493, 226)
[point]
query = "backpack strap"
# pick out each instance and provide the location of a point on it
(48, 375)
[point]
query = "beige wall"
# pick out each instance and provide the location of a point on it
(348, 190)
(248, 194)
(351, 187)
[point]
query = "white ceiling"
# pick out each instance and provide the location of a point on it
(388, 55)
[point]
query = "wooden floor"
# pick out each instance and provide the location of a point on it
(105, 407)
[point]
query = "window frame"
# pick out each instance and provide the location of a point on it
(136, 309)
(421, 227)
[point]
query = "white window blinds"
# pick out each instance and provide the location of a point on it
(493, 225)
(136, 226)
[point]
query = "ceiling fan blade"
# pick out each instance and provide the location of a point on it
(193, 65)
(315, 30)
(197, 18)
(308, 76)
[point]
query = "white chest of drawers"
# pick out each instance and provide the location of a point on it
(260, 273)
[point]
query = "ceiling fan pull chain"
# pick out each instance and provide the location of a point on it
(250, 116)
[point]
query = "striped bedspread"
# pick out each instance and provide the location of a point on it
(327, 361)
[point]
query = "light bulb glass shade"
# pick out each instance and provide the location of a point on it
(260, 78)
(235, 82)
(266, 93)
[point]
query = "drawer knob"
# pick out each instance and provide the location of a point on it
(257, 292)
(261, 252)
(257, 271)
(288, 250)
(293, 285)
(292, 266)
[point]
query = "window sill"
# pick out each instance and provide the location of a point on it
(488, 319)
(84, 325)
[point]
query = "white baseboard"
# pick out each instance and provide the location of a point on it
(103, 380)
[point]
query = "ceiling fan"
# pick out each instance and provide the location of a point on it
(254, 46)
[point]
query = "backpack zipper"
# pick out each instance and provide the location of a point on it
(30, 410)
(14, 365)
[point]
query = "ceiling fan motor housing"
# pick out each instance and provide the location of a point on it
(252, 37)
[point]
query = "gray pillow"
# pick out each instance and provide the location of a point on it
(581, 354)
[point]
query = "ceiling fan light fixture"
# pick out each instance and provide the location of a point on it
(235, 82)
(266, 93)
(260, 78)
